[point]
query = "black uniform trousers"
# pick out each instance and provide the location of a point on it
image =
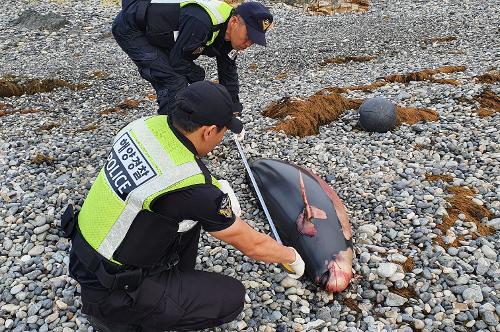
(180, 299)
(153, 62)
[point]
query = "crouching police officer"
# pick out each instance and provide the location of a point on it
(135, 239)
(163, 37)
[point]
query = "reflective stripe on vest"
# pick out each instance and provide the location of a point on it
(168, 164)
(219, 12)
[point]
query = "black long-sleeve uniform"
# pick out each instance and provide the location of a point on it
(169, 65)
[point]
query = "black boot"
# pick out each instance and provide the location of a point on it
(107, 326)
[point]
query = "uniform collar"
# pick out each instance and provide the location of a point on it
(183, 139)
(220, 41)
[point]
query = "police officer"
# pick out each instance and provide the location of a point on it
(163, 37)
(135, 239)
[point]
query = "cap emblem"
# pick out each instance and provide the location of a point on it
(266, 24)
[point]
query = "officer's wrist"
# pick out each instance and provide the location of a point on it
(290, 257)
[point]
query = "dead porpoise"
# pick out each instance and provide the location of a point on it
(309, 216)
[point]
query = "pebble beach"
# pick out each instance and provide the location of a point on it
(423, 199)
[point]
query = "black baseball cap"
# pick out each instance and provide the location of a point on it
(258, 19)
(207, 103)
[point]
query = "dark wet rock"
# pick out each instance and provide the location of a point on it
(32, 19)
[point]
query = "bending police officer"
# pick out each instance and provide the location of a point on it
(164, 37)
(135, 239)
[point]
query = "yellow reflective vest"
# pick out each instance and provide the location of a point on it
(146, 161)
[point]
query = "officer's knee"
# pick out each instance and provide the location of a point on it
(234, 299)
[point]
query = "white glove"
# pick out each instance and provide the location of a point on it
(298, 266)
(226, 189)
(240, 136)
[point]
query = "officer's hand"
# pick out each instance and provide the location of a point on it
(240, 136)
(297, 267)
(226, 189)
(197, 73)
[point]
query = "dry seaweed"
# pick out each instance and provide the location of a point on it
(444, 39)
(445, 81)
(411, 115)
(129, 104)
(461, 203)
(407, 292)
(41, 158)
(89, 127)
(351, 304)
(303, 117)
(442, 177)
(490, 77)
(48, 126)
(110, 110)
(99, 74)
(151, 96)
(11, 86)
(280, 76)
(23, 111)
(424, 75)
(489, 103)
(368, 87)
(322, 7)
(233, 3)
(408, 265)
(124, 105)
